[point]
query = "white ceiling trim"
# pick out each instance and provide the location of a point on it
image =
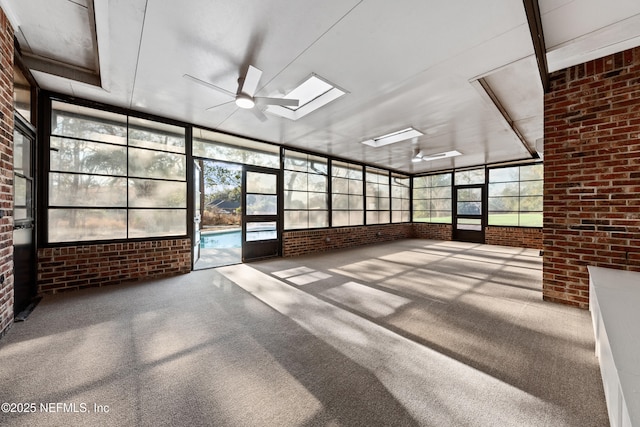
(607, 40)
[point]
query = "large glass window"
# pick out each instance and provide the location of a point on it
(114, 177)
(347, 194)
(432, 198)
(306, 202)
(400, 198)
(377, 196)
(515, 196)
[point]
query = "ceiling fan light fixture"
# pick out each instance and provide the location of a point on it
(417, 155)
(245, 101)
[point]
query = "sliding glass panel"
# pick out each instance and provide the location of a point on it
(156, 222)
(531, 188)
(156, 164)
(295, 180)
(148, 193)
(87, 190)
(71, 155)
(318, 219)
(296, 219)
(69, 225)
(295, 200)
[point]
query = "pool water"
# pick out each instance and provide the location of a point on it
(221, 240)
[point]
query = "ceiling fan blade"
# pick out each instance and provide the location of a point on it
(249, 84)
(276, 101)
(219, 105)
(259, 114)
(207, 84)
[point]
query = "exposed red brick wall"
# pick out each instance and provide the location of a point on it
(423, 230)
(311, 241)
(84, 266)
(591, 174)
(6, 173)
(514, 236)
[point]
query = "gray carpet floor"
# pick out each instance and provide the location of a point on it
(412, 333)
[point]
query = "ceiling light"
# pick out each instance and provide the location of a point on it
(439, 156)
(244, 101)
(392, 137)
(314, 92)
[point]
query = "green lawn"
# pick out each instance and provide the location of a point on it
(505, 220)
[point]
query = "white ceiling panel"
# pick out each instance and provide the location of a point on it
(55, 29)
(403, 63)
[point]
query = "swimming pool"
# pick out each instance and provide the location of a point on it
(221, 239)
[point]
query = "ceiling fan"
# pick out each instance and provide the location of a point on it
(244, 96)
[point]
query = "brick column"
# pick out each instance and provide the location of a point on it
(6, 173)
(591, 174)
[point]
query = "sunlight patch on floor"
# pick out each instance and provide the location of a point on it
(366, 300)
(301, 276)
(410, 371)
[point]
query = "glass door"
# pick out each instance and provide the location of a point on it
(468, 221)
(197, 210)
(260, 207)
(24, 252)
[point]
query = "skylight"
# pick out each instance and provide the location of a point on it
(309, 90)
(392, 137)
(428, 157)
(313, 93)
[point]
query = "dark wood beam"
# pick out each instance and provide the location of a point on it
(537, 36)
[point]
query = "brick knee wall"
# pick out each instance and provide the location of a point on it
(591, 174)
(83, 266)
(514, 236)
(6, 174)
(303, 242)
(312, 241)
(423, 230)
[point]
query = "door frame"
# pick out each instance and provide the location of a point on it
(472, 236)
(255, 250)
(26, 293)
(197, 209)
